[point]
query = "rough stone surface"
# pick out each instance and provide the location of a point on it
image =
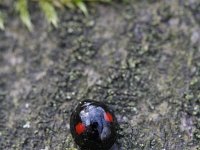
(141, 58)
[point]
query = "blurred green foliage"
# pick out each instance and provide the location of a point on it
(1, 21)
(48, 7)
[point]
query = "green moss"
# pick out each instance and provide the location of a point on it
(48, 7)
(1, 21)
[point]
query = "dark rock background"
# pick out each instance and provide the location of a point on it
(142, 58)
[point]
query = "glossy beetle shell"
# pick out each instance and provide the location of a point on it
(93, 126)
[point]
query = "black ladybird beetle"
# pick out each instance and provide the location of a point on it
(93, 126)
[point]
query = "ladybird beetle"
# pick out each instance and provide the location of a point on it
(93, 126)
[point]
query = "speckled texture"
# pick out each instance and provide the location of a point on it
(141, 58)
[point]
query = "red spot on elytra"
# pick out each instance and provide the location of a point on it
(80, 128)
(108, 117)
